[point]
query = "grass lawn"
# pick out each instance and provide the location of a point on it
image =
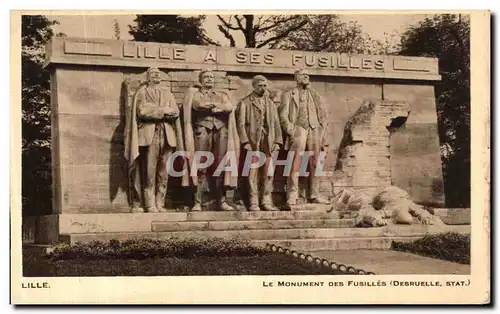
(37, 265)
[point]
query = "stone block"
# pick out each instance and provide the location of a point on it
(189, 77)
(95, 92)
(76, 137)
(97, 186)
(281, 234)
(89, 140)
(421, 99)
(453, 216)
(251, 224)
(416, 162)
(47, 231)
(128, 222)
(109, 223)
(352, 90)
(299, 239)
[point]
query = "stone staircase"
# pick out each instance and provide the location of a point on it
(306, 229)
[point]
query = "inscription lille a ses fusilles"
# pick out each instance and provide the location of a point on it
(317, 60)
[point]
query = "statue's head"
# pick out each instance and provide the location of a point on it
(154, 76)
(259, 84)
(207, 78)
(302, 78)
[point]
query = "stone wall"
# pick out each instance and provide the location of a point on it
(364, 159)
(415, 153)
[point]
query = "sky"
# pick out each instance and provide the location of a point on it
(102, 26)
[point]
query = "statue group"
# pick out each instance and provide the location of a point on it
(210, 130)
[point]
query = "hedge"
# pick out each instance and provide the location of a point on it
(145, 248)
(450, 246)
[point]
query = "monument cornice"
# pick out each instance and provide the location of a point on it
(120, 53)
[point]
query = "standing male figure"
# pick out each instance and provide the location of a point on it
(153, 132)
(209, 124)
(259, 130)
(303, 118)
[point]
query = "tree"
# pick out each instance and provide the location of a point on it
(389, 45)
(173, 29)
(260, 31)
(327, 33)
(35, 93)
(447, 37)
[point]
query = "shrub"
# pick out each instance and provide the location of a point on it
(270, 264)
(450, 246)
(144, 248)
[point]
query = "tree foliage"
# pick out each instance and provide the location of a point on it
(36, 156)
(260, 31)
(447, 37)
(172, 29)
(326, 33)
(390, 44)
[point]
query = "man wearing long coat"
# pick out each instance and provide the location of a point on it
(210, 126)
(304, 121)
(259, 130)
(153, 132)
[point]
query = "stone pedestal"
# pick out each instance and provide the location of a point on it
(304, 229)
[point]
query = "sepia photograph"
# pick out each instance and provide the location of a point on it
(286, 152)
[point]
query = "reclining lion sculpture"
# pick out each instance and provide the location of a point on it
(390, 205)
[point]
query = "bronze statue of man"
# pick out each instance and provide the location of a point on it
(304, 120)
(153, 132)
(210, 127)
(259, 130)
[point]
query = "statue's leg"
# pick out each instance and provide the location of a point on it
(202, 143)
(138, 182)
(219, 149)
(266, 181)
(253, 189)
(313, 145)
(162, 175)
(297, 145)
(152, 162)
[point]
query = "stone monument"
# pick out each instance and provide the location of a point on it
(94, 83)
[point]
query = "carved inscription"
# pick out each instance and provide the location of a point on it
(337, 61)
(307, 60)
(254, 58)
(192, 57)
(153, 52)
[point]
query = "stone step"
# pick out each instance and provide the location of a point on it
(339, 244)
(453, 216)
(165, 226)
(278, 234)
(142, 222)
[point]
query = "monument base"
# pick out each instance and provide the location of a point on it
(310, 227)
